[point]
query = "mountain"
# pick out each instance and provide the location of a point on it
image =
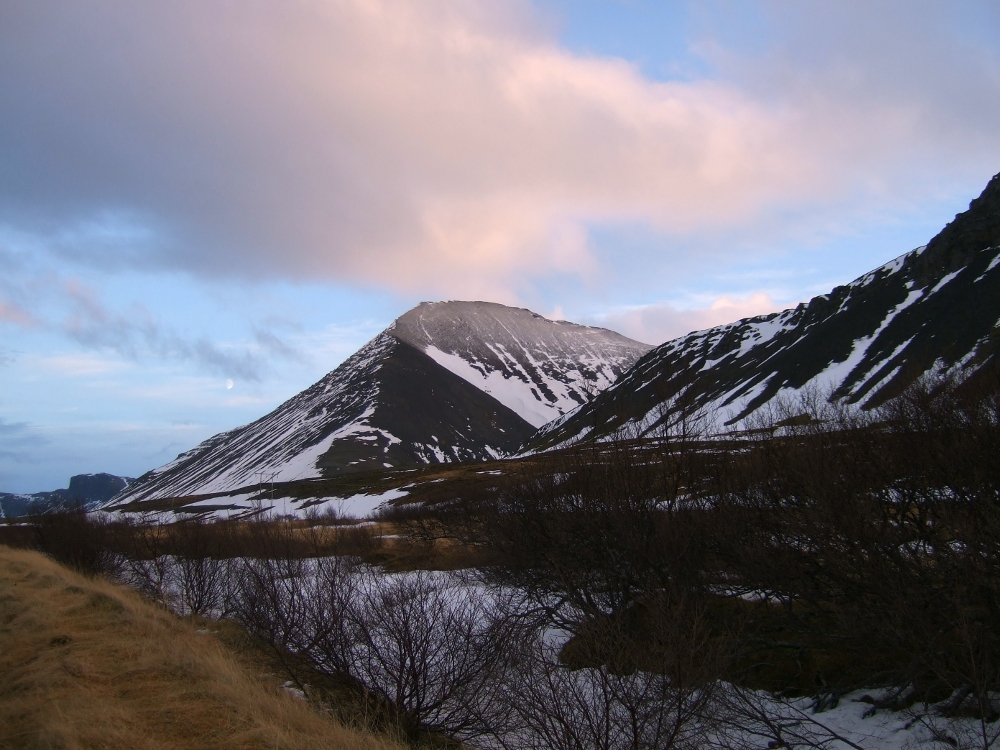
(447, 381)
(536, 367)
(935, 309)
(85, 491)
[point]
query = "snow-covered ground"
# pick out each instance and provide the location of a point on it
(734, 719)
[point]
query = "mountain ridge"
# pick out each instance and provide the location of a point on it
(933, 309)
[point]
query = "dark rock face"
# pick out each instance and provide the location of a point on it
(934, 309)
(449, 381)
(85, 491)
(94, 488)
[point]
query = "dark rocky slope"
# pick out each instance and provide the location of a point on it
(935, 309)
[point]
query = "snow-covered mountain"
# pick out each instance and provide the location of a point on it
(936, 308)
(447, 381)
(536, 367)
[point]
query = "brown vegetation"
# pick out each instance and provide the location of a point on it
(87, 664)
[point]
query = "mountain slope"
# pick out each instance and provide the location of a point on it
(539, 368)
(391, 404)
(934, 309)
(85, 663)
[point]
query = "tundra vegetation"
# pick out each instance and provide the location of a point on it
(684, 588)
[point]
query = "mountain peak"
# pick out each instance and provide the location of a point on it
(537, 367)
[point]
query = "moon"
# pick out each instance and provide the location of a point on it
(229, 383)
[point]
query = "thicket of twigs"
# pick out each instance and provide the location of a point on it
(643, 592)
(821, 550)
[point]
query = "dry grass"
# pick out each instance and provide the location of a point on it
(87, 664)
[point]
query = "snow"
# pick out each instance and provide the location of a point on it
(303, 465)
(888, 269)
(837, 372)
(363, 505)
(761, 332)
(726, 408)
(945, 280)
(993, 264)
(863, 380)
(846, 725)
(360, 505)
(514, 393)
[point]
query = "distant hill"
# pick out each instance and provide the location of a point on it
(935, 309)
(85, 491)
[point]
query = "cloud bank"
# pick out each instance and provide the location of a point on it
(657, 323)
(452, 147)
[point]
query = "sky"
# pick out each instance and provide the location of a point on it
(206, 205)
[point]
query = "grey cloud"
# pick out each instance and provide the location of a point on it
(273, 345)
(927, 69)
(21, 285)
(135, 335)
(36, 294)
(12, 428)
(19, 441)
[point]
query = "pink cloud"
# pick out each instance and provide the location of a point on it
(446, 146)
(657, 323)
(16, 315)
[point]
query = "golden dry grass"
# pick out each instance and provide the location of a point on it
(87, 664)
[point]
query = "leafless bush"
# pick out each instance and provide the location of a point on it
(143, 546)
(273, 597)
(878, 534)
(649, 681)
(76, 539)
(595, 531)
(431, 650)
(597, 709)
(746, 719)
(200, 576)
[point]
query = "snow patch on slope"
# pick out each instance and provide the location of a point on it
(538, 368)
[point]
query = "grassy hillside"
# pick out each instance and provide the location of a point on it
(87, 664)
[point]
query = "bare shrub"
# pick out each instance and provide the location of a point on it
(430, 650)
(200, 577)
(143, 545)
(649, 684)
(597, 709)
(76, 539)
(272, 595)
(874, 542)
(593, 531)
